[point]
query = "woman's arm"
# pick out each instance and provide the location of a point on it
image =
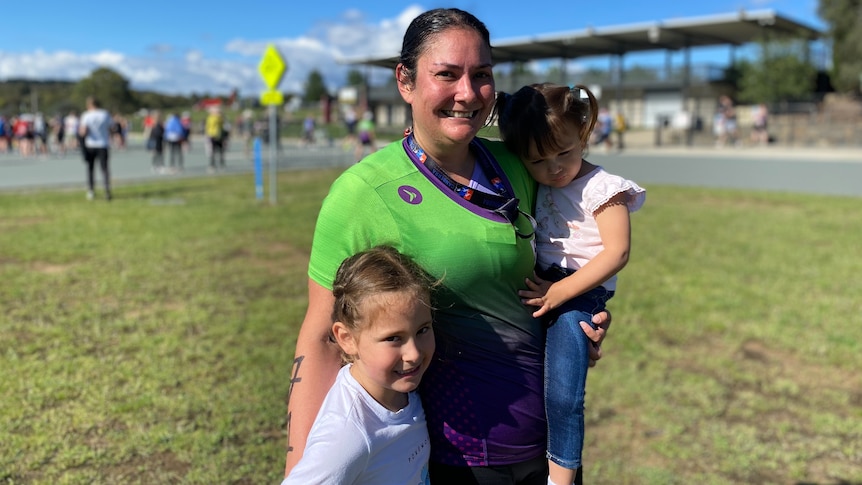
(315, 366)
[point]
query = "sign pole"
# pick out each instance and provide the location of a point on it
(272, 67)
(273, 162)
(258, 169)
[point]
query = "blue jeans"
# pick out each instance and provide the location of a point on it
(567, 358)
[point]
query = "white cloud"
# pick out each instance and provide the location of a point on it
(323, 47)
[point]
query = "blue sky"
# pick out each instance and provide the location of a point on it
(175, 46)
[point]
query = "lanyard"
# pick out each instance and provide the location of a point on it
(502, 202)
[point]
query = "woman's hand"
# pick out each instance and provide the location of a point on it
(602, 321)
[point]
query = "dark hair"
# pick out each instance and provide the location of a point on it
(541, 113)
(430, 23)
(367, 274)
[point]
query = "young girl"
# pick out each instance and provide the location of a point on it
(371, 428)
(582, 241)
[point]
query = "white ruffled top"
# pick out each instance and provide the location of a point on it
(567, 233)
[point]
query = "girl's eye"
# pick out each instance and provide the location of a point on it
(424, 330)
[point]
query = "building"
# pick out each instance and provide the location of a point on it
(684, 95)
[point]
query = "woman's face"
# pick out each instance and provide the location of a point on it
(453, 91)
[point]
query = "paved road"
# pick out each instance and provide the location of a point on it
(803, 170)
(806, 170)
(134, 165)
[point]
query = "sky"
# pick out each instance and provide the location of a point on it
(213, 47)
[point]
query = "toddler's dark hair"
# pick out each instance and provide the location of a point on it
(541, 113)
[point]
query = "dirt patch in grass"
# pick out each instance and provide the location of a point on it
(163, 467)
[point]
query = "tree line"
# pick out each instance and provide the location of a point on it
(52, 97)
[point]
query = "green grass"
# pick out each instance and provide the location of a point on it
(149, 340)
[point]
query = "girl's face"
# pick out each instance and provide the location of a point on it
(557, 169)
(393, 347)
(453, 91)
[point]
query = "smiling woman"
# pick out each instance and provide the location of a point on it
(483, 393)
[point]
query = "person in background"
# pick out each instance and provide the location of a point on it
(71, 122)
(371, 426)
(366, 138)
(247, 127)
(59, 130)
(40, 134)
(94, 129)
(186, 122)
(5, 135)
(582, 241)
(725, 117)
(620, 127)
(604, 129)
(759, 131)
(460, 207)
(308, 127)
(174, 135)
(156, 142)
(214, 127)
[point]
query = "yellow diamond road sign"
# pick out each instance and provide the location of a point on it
(272, 67)
(271, 98)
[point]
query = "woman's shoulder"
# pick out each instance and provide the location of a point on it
(384, 165)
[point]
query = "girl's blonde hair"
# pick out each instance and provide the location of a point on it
(369, 274)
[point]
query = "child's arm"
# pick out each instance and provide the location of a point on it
(615, 230)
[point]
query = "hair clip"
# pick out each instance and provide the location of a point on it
(580, 93)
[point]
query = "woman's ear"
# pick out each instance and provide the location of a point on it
(345, 339)
(405, 85)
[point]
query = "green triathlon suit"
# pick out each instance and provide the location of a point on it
(483, 392)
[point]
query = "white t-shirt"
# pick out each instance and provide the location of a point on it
(97, 122)
(71, 125)
(355, 440)
(567, 233)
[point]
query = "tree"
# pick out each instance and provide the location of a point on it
(110, 88)
(845, 29)
(314, 87)
(782, 73)
(355, 78)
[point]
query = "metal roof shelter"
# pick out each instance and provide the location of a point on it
(681, 34)
(732, 29)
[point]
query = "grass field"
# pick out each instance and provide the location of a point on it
(149, 340)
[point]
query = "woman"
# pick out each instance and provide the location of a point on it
(483, 392)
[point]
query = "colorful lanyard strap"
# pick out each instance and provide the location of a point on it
(502, 202)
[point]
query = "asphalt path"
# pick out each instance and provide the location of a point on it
(827, 171)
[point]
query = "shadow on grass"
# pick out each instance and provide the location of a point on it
(839, 482)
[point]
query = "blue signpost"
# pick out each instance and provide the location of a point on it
(258, 169)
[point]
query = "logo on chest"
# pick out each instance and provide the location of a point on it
(409, 194)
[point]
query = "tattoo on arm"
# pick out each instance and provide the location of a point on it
(297, 363)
